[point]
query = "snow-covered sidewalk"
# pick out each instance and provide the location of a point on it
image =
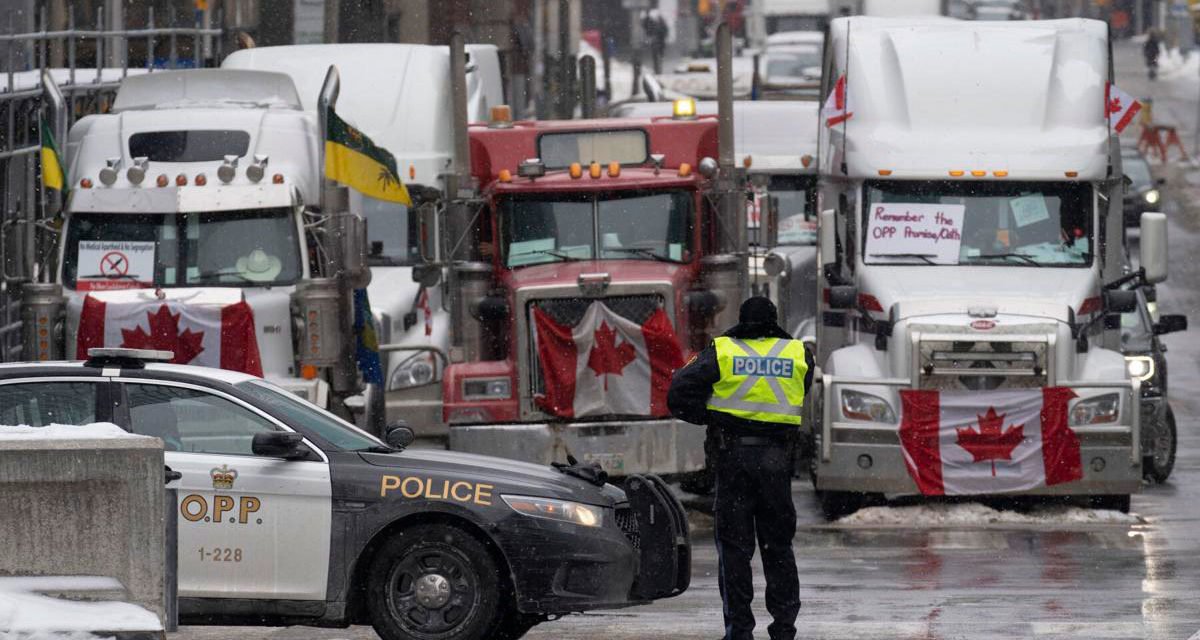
(27, 614)
(975, 514)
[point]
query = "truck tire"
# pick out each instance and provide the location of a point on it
(836, 504)
(1111, 503)
(433, 582)
(1158, 465)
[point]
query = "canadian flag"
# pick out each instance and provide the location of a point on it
(202, 327)
(836, 109)
(958, 443)
(606, 365)
(1120, 107)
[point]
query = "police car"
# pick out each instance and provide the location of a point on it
(289, 515)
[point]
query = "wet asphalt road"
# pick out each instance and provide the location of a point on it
(987, 581)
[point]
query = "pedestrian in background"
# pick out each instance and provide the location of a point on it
(748, 387)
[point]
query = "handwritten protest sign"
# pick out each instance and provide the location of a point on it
(899, 230)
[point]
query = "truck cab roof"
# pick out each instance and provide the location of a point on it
(206, 87)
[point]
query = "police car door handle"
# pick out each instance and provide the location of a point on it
(171, 474)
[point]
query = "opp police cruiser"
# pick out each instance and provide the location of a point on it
(289, 515)
(748, 386)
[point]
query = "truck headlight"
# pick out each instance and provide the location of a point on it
(1103, 409)
(1140, 367)
(560, 510)
(414, 371)
(1151, 196)
(857, 405)
(487, 389)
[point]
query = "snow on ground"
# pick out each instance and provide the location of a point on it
(969, 513)
(95, 431)
(26, 614)
(1173, 65)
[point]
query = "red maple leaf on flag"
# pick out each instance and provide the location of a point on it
(606, 357)
(1114, 106)
(164, 335)
(991, 442)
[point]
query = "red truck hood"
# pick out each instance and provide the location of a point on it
(623, 271)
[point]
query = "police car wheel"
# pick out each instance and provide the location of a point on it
(433, 582)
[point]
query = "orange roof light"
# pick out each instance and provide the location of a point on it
(885, 172)
(277, 178)
(161, 180)
(978, 173)
(1072, 174)
(806, 160)
(412, 172)
(86, 183)
(181, 180)
(594, 170)
(505, 175)
(747, 161)
(201, 180)
(576, 170)
(501, 117)
(614, 169)
(957, 173)
(1000, 174)
(685, 170)
(308, 372)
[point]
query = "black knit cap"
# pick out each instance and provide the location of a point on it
(758, 310)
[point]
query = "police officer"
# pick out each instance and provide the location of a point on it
(748, 386)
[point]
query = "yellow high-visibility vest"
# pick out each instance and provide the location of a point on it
(761, 379)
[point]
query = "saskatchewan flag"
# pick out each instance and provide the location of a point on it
(353, 160)
(52, 165)
(366, 341)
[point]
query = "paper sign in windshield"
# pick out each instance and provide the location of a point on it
(916, 233)
(109, 264)
(1029, 209)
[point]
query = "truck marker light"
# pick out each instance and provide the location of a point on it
(201, 180)
(806, 160)
(1072, 174)
(504, 176)
(978, 174)
(181, 180)
(412, 172)
(747, 161)
(161, 180)
(277, 178)
(500, 117)
(594, 170)
(576, 170)
(684, 109)
(614, 169)
(86, 183)
(885, 172)
(308, 372)
(685, 170)
(1000, 174)
(957, 173)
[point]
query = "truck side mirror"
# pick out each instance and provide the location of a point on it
(843, 296)
(428, 232)
(827, 235)
(1154, 247)
(1170, 323)
(1119, 301)
(427, 275)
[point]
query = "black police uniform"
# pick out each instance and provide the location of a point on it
(754, 493)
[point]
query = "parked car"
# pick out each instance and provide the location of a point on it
(1145, 358)
(1142, 191)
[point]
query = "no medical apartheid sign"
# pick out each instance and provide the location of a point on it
(901, 230)
(107, 264)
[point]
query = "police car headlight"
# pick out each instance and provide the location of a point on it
(1103, 409)
(1140, 367)
(857, 405)
(551, 509)
(416, 370)
(1151, 196)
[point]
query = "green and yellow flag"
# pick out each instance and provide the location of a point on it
(352, 159)
(53, 176)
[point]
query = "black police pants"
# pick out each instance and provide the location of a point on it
(754, 500)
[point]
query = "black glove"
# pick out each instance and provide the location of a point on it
(590, 472)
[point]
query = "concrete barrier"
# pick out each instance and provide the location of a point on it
(85, 507)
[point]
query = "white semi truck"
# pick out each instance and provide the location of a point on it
(399, 96)
(972, 249)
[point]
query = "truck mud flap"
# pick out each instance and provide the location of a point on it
(666, 549)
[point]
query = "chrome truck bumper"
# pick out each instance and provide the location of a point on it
(840, 444)
(663, 447)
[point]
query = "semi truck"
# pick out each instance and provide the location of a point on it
(972, 253)
(592, 258)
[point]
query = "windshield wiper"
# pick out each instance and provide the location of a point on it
(926, 257)
(205, 276)
(642, 251)
(112, 276)
(563, 257)
(1024, 258)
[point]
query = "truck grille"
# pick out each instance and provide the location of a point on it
(627, 522)
(982, 364)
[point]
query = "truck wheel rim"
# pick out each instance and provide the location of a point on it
(432, 591)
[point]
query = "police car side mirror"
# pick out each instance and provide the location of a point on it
(279, 444)
(399, 436)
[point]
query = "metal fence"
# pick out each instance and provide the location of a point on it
(29, 222)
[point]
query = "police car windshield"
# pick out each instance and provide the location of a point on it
(634, 225)
(309, 418)
(258, 247)
(992, 223)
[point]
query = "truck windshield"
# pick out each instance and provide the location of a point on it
(635, 225)
(794, 198)
(258, 247)
(978, 223)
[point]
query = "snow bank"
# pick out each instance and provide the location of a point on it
(95, 431)
(27, 614)
(971, 513)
